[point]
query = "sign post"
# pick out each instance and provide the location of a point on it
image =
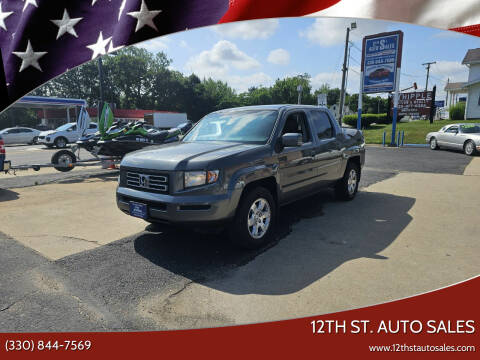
(322, 99)
(380, 70)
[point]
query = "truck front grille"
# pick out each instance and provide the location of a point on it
(148, 182)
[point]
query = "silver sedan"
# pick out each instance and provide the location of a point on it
(465, 137)
(20, 135)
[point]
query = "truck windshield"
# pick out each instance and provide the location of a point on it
(245, 126)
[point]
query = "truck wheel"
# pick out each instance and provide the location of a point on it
(66, 159)
(254, 221)
(60, 142)
(346, 188)
(469, 148)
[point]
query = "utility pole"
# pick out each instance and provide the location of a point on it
(100, 75)
(428, 64)
(344, 72)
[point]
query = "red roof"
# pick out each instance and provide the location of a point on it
(127, 113)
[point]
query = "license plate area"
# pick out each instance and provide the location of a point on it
(138, 210)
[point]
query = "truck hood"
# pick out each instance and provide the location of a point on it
(184, 155)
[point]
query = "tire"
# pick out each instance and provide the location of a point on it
(60, 142)
(64, 157)
(347, 187)
(433, 144)
(256, 207)
(469, 148)
(34, 140)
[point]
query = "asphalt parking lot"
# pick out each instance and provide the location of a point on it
(69, 260)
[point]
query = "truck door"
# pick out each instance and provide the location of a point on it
(296, 168)
(327, 156)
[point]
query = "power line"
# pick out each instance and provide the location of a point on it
(355, 60)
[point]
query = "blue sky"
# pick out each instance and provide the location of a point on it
(256, 53)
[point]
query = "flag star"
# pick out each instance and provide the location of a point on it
(111, 48)
(99, 47)
(29, 57)
(122, 7)
(31, 2)
(66, 24)
(3, 16)
(144, 17)
(94, 1)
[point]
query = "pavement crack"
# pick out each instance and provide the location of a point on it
(184, 287)
(64, 237)
(19, 300)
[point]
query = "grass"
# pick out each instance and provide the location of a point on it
(415, 131)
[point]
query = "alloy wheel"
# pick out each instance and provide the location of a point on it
(352, 182)
(259, 217)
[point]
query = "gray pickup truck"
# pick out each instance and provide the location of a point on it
(236, 167)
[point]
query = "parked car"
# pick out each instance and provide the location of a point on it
(64, 134)
(464, 137)
(237, 166)
(20, 135)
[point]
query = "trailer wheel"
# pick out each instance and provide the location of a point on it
(65, 158)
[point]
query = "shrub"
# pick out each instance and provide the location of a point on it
(457, 111)
(367, 119)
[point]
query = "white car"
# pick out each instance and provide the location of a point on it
(19, 135)
(67, 133)
(464, 137)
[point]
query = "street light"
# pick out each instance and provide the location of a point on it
(352, 26)
(299, 89)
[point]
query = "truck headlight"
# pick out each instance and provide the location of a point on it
(198, 178)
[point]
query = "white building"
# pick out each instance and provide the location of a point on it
(471, 87)
(335, 109)
(472, 60)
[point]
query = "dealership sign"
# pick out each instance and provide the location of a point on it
(381, 59)
(415, 104)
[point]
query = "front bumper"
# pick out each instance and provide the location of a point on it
(181, 209)
(44, 140)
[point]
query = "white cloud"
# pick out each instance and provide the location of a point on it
(279, 57)
(243, 83)
(452, 70)
(218, 61)
(248, 30)
(334, 79)
(155, 45)
(223, 58)
(331, 31)
(183, 44)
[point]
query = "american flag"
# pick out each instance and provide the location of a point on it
(40, 39)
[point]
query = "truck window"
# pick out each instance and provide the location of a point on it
(297, 123)
(322, 124)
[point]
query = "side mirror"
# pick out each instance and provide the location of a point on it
(292, 140)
